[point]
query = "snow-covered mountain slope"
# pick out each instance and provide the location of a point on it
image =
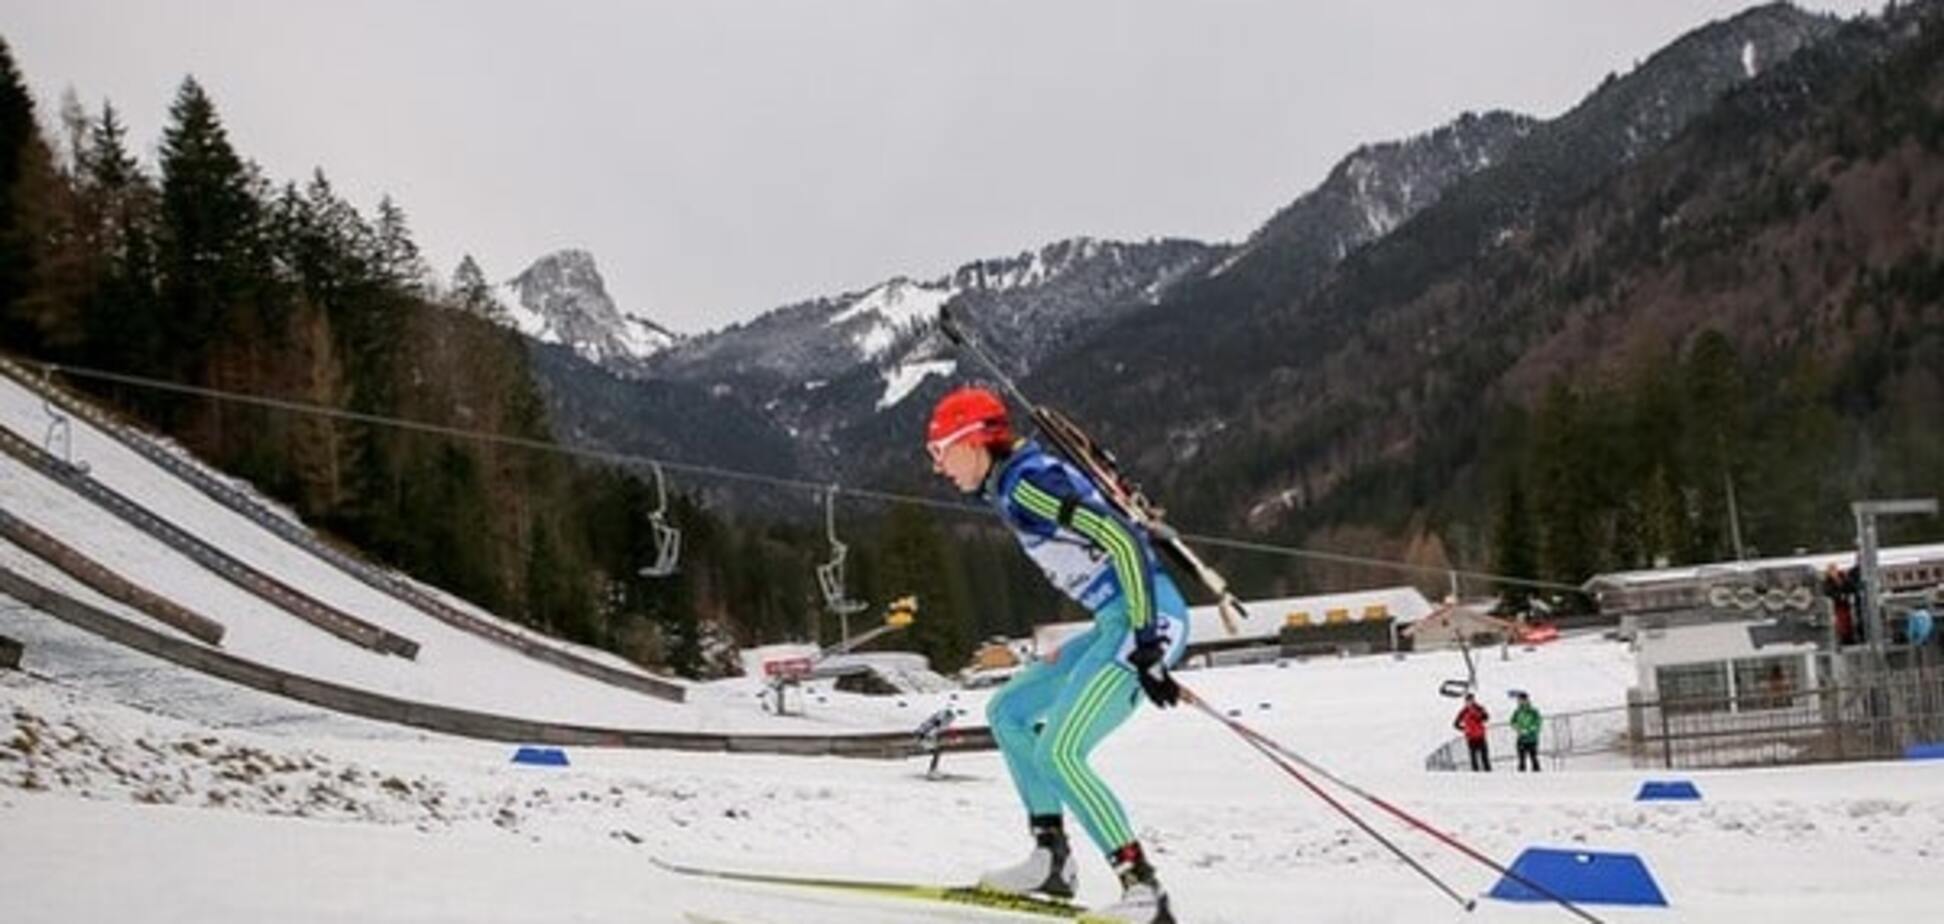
(1370, 192)
(841, 375)
(1055, 290)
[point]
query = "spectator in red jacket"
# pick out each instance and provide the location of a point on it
(1471, 720)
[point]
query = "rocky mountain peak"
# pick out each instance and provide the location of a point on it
(562, 299)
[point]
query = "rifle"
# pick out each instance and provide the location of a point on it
(1099, 464)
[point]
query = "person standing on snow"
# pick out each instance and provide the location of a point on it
(930, 735)
(1471, 720)
(1087, 688)
(1919, 626)
(1525, 721)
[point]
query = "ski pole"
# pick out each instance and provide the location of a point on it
(1269, 747)
(1467, 903)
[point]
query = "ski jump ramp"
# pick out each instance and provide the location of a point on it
(596, 665)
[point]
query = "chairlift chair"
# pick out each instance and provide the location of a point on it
(60, 431)
(830, 574)
(668, 539)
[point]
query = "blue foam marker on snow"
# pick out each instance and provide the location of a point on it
(1932, 751)
(1668, 791)
(1581, 876)
(541, 757)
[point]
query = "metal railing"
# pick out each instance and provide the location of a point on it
(1563, 738)
(1878, 711)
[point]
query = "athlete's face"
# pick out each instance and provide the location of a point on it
(964, 463)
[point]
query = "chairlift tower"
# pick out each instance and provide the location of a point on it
(1870, 577)
(1869, 572)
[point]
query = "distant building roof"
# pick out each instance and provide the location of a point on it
(1468, 617)
(1891, 555)
(1268, 617)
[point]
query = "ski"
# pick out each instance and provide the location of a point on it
(1126, 496)
(960, 896)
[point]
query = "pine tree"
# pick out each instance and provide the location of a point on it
(550, 601)
(395, 256)
(20, 145)
(209, 233)
(325, 243)
(1664, 526)
(109, 174)
(1716, 399)
(1515, 550)
(1563, 495)
(472, 294)
(43, 242)
(913, 561)
(122, 322)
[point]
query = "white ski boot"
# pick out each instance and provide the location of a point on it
(1045, 871)
(1140, 903)
(1142, 899)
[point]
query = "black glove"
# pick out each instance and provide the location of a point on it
(1150, 668)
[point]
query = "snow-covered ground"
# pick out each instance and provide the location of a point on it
(118, 813)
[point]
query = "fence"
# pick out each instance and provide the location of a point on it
(1864, 709)
(1563, 738)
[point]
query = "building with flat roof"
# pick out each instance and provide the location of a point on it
(1364, 620)
(1753, 636)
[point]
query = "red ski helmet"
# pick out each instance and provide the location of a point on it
(967, 413)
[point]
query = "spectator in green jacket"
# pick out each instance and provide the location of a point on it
(1525, 721)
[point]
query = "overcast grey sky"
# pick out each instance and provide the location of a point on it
(723, 157)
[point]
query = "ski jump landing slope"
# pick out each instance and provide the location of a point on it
(595, 663)
(453, 668)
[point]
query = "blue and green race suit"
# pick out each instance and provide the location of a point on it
(1052, 714)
